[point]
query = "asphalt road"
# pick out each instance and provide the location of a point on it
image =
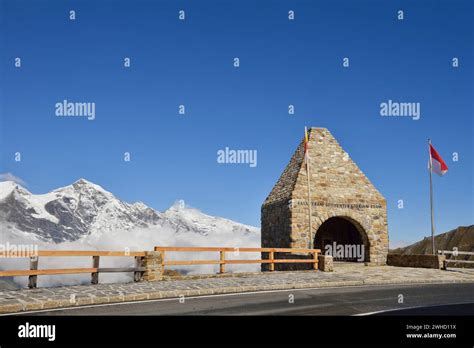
(426, 299)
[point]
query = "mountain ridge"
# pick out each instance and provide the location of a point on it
(84, 208)
(461, 237)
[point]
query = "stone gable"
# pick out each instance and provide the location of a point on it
(339, 190)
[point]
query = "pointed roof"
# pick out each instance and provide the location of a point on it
(334, 176)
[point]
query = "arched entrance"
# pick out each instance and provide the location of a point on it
(344, 239)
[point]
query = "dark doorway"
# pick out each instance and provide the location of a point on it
(341, 238)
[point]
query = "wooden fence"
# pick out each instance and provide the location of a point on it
(139, 256)
(34, 272)
(222, 261)
(451, 257)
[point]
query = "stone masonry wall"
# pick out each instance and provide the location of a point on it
(152, 263)
(338, 189)
(422, 261)
(276, 219)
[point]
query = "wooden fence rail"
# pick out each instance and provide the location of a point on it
(34, 272)
(454, 253)
(222, 261)
(139, 256)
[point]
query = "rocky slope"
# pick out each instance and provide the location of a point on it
(461, 237)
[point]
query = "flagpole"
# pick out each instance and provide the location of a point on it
(431, 200)
(309, 196)
(309, 207)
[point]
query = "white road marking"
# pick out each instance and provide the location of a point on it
(414, 307)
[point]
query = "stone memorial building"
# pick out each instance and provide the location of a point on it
(346, 208)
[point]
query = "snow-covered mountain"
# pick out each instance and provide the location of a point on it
(185, 219)
(84, 209)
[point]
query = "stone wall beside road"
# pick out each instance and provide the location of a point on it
(422, 261)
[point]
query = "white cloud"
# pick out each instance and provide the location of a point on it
(144, 239)
(11, 177)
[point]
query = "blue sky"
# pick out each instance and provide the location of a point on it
(282, 62)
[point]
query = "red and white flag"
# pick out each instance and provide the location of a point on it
(437, 164)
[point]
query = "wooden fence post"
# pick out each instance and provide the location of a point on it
(95, 275)
(222, 265)
(32, 279)
(315, 257)
(271, 256)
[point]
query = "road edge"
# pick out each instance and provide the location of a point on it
(168, 294)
